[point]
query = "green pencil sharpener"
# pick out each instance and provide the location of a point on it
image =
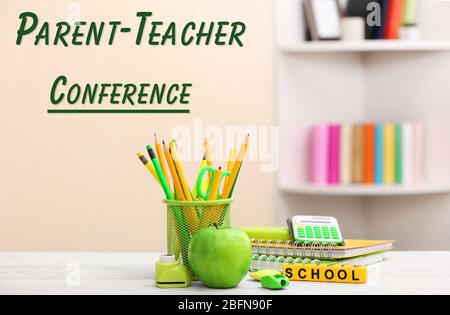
(275, 282)
(171, 274)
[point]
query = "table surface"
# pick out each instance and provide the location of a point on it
(410, 272)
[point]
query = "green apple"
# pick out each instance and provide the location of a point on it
(220, 257)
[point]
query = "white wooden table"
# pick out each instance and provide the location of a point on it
(133, 273)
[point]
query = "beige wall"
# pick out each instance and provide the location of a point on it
(74, 182)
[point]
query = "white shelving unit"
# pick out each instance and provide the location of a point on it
(366, 46)
(385, 81)
(338, 81)
(363, 190)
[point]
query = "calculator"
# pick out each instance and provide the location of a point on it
(319, 229)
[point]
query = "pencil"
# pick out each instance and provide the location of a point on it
(162, 161)
(214, 188)
(229, 187)
(208, 154)
(179, 168)
(175, 180)
(159, 172)
(148, 165)
(192, 222)
(230, 163)
(211, 213)
(204, 182)
(189, 212)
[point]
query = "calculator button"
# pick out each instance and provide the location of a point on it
(317, 232)
(301, 233)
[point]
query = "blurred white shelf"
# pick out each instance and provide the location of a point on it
(365, 190)
(366, 46)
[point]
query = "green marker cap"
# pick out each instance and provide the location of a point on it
(275, 282)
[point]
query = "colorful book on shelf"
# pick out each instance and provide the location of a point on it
(394, 19)
(378, 31)
(360, 8)
(379, 154)
(410, 11)
(345, 156)
(318, 159)
(389, 153)
(398, 154)
(369, 153)
(358, 154)
(333, 153)
(407, 153)
(352, 248)
(264, 262)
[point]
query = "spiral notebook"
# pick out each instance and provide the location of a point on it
(323, 251)
(264, 262)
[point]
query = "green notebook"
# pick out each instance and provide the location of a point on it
(267, 233)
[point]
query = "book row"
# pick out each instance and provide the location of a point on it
(368, 153)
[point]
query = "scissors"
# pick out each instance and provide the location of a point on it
(217, 176)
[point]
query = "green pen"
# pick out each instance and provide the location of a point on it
(159, 172)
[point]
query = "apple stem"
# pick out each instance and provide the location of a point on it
(215, 224)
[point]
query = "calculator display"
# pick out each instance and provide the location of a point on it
(316, 229)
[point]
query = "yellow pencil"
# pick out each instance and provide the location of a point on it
(231, 159)
(189, 212)
(205, 182)
(179, 168)
(213, 212)
(173, 171)
(214, 191)
(148, 165)
(161, 159)
(208, 154)
(227, 190)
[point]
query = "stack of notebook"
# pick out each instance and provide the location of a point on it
(274, 253)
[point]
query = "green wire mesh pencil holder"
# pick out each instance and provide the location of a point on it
(185, 218)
